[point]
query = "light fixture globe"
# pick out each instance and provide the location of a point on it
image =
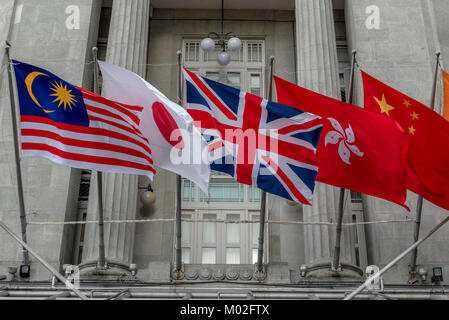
(223, 58)
(234, 44)
(207, 44)
(148, 198)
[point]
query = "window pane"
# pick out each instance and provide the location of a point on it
(237, 55)
(192, 51)
(255, 84)
(255, 230)
(253, 194)
(215, 76)
(188, 191)
(233, 79)
(208, 256)
(186, 229)
(209, 229)
(255, 80)
(186, 255)
(233, 255)
(224, 191)
(254, 52)
(212, 55)
(233, 230)
(254, 256)
(356, 197)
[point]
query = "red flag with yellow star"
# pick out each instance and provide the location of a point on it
(428, 137)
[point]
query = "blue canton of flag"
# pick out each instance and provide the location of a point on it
(258, 142)
(77, 128)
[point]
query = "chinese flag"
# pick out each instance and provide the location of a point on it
(446, 95)
(358, 150)
(428, 138)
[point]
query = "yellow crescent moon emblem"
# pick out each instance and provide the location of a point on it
(29, 83)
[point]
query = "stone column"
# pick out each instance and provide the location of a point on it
(317, 70)
(127, 47)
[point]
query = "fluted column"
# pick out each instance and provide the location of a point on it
(127, 47)
(317, 70)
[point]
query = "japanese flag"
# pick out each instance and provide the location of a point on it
(175, 143)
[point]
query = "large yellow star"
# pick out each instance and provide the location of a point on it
(415, 116)
(384, 106)
(63, 95)
(411, 130)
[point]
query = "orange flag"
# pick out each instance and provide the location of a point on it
(446, 95)
(428, 139)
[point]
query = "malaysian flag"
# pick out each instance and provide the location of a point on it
(258, 142)
(77, 128)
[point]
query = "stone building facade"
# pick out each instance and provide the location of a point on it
(311, 41)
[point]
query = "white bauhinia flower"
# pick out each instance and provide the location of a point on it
(346, 139)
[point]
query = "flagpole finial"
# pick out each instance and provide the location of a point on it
(354, 51)
(8, 45)
(95, 51)
(438, 53)
(271, 58)
(179, 52)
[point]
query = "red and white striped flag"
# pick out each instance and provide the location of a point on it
(77, 128)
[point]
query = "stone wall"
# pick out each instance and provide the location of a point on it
(400, 53)
(41, 37)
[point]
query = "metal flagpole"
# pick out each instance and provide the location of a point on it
(45, 263)
(397, 259)
(101, 253)
(23, 219)
(263, 200)
(412, 266)
(336, 261)
(178, 225)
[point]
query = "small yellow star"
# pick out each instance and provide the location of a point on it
(411, 130)
(415, 116)
(384, 106)
(407, 103)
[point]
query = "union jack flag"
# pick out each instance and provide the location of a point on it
(258, 142)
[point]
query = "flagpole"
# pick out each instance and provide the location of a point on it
(68, 284)
(263, 198)
(178, 224)
(336, 261)
(101, 252)
(397, 259)
(23, 219)
(412, 267)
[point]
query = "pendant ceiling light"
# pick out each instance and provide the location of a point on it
(233, 44)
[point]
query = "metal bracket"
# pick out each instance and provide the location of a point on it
(338, 269)
(260, 275)
(178, 274)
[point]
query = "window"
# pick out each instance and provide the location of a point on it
(212, 242)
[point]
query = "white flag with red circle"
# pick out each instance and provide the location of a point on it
(175, 143)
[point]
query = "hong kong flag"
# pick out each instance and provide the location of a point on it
(428, 138)
(359, 150)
